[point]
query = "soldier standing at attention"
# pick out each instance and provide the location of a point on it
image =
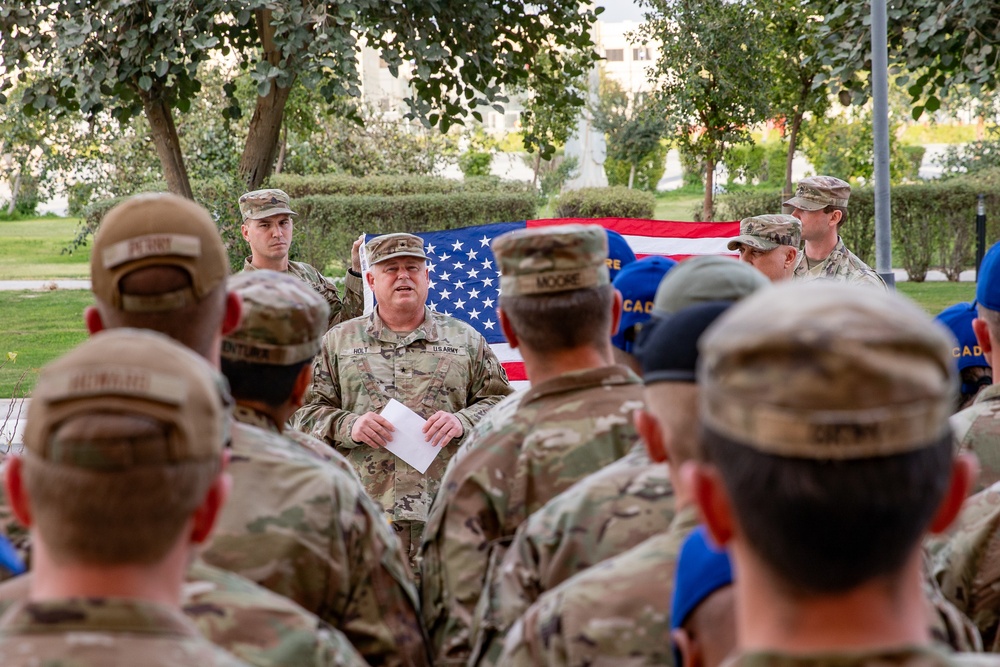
(822, 477)
(820, 202)
(121, 480)
(558, 307)
(439, 367)
(770, 244)
(267, 227)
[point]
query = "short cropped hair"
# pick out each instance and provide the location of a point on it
(117, 517)
(268, 384)
(826, 527)
(560, 321)
(843, 214)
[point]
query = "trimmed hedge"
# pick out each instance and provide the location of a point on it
(327, 225)
(342, 184)
(613, 202)
(933, 224)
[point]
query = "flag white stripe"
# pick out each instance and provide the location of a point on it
(650, 245)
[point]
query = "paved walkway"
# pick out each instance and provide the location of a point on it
(18, 285)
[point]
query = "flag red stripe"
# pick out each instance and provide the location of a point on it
(653, 228)
(515, 370)
(681, 258)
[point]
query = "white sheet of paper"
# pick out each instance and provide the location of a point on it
(408, 440)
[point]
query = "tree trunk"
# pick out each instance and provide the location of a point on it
(265, 125)
(707, 212)
(15, 190)
(538, 165)
(280, 164)
(168, 145)
(793, 138)
(631, 176)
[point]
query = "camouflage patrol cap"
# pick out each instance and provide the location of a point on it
(129, 372)
(389, 246)
(827, 371)
(283, 319)
(706, 278)
(767, 232)
(818, 192)
(547, 260)
(157, 229)
(263, 204)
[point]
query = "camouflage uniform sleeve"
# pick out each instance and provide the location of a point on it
(869, 279)
(382, 610)
(321, 413)
(487, 386)
(535, 638)
(354, 297)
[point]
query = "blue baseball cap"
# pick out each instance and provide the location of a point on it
(638, 282)
(702, 569)
(958, 319)
(988, 279)
(620, 253)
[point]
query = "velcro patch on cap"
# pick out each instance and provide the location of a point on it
(151, 245)
(265, 353)
(120, 380)
(555, 281)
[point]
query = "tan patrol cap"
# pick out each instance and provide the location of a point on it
(767, 232)
(283, 319)
(129, 372)
(818, 192)
(823, 370)
(547, 260)
(706, 278)
(389, 246)
(264, 203)
(157, 229)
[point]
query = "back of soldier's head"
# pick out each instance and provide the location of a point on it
(554, 287)
(706, 278)
(825, 408)
(159, 263)
(988, 290)
(281, 331)
(124, 436)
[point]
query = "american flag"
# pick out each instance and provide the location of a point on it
(465, 281)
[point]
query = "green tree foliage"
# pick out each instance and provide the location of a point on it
(633, 128)
(935, 47)
(708, 75)
(844, 145)
(132, 56)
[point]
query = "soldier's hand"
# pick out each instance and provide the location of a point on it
(356, 256)
(372, 429)
(442, 427)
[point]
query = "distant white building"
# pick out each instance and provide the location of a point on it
(625, 61)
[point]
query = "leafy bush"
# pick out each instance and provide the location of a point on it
(692, 168)
(846, 148)
(327, 225)
(757, 164)
(343, 184)
(647, 174)
(971, 157)
(915, 157)
(475, 163)
(933, 224)
(612, 202)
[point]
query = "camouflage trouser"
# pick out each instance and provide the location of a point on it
(410, 533)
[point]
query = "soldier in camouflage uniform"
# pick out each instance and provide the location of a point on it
(770, 244)
(618, 507)
(267, 227)
(619, 610)
(120, 482)
(558, 307)
(828, 457)
(977, 428)
(820, 202)
(298, 525)
(255, 625)
(439, 367)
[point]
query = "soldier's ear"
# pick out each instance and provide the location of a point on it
(704, 484)
(18, 498)
(206, 515)
(234, 313)
(616, 313)
(791, 254)
(508, 330)
(651, 430)
(93, 320)
(964, 472)
(982, 331)
(245, 231)
(301, 386)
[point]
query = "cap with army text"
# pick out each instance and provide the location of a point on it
(283, 320)
(827, 371)
(129, 372)
(264, 203)
(390, 246)
(552, 259)
(157, 229)
(818, 192)
(767, 232)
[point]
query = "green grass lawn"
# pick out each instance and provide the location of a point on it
(936, 296)
(38, 326)
(679, 206)
(32, 250)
